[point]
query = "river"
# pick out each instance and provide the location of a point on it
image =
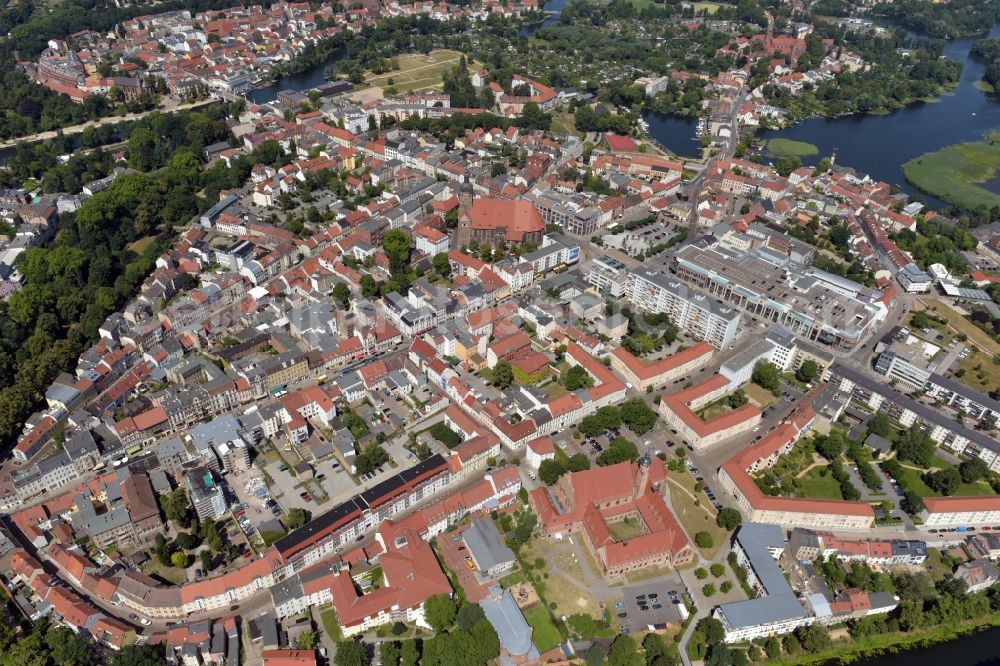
(554, 6)
(980, 649)
(880, 144)
(307, 80)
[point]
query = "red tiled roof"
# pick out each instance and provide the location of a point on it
(679, 403)
(962, 504)
(644, 370)
(517, 217)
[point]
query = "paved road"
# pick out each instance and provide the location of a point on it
(728, 149)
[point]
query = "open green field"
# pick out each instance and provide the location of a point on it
(714, 409)
(955, 173)
(910, 479)
(783, 147)
(140, 245)
(815, 486)
(981, 373)
(694, 517)
(566, 123)
(545, 635)
(330, 625)
(418, 71)
(710, 7)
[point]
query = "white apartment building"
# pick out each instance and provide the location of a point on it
(691, 310)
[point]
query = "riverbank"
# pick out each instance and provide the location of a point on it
(892, 643)
(955, 174)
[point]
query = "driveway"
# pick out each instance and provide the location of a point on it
(454, 553)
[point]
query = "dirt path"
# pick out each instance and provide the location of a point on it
(815, 463)
(169, 106)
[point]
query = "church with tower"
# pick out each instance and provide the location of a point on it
(620, 513)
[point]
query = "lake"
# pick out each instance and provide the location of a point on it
(880, 144)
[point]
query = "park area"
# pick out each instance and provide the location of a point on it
(910, 479)
(800, 473)
(694, 512)
(788, 147)
(418, 71)
(956, 173)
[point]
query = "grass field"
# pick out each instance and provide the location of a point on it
(981, 373)
(545, 635)
(565, 585)
(140, 245)
(695, 518)
(815, 486)
(554, 389)
(170, 574)
(955, 173)
(714, 409)
(330, 625)
(565, 123)
(783, 147)
(710, 7)
(758, 395)
(418, 71)
(963, 325)
(984, 86)
(623, 530)
(911, 481)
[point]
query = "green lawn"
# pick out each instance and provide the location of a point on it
(545, 635)
(784, 147)
(511, 580)
(955, 173)
(911, 481)
(980, 372)
(330, 625)
(759, 396)
(814, 486)
(710, 7)
(623, 530)
(714, 409)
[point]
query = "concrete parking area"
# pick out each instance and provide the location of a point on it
(650, 606)
(453, 552)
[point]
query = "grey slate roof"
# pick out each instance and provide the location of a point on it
(512, 629)
(485, 544)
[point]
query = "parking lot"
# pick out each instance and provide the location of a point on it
(650, 606)
(454, 553)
